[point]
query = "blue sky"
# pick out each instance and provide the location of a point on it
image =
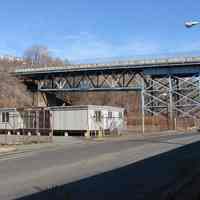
(89, 29)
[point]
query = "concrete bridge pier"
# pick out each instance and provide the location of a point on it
(46, 99)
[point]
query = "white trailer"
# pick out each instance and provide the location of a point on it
(10, 119)
(74, 120)
(90, 119)
(27, 120)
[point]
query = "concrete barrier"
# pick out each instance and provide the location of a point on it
(23, 139)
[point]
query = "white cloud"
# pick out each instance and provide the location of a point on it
(88, 46)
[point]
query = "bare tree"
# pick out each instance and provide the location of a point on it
(39, 55)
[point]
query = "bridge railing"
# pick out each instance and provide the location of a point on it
(163, 61)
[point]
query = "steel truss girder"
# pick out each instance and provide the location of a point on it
(173, 96)
(126, 80)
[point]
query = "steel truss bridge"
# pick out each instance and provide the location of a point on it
(169, 87)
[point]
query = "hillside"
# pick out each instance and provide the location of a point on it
(13, 92)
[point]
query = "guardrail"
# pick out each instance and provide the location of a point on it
(179, 60)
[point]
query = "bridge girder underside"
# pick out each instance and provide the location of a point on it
(125, 80)
(169, 96)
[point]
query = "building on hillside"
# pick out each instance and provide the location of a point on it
(85, 120)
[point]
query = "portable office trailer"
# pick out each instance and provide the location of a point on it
(88, 118)
(25, 120)
(9, 119)
(36, 119)
(74, 120)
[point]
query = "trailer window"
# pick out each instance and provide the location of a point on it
(109, 115)
(120, 115)
(98, 116)
(5, 116)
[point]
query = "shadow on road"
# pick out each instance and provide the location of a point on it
(146, 179)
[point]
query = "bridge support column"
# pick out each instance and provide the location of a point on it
(171, 110)
(143, 108)
(39, 99)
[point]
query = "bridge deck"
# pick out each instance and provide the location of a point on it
(153, 64)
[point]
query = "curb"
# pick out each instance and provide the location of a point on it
(136, 137)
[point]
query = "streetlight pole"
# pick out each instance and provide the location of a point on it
(190, 24)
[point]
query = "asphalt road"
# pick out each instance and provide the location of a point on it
(81, 167)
